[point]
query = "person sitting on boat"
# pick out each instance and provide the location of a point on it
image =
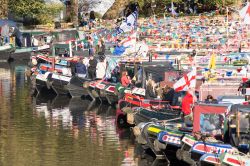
(210, 99)
(125, 79)
(81, 70)
(101, 68)
(92, 67)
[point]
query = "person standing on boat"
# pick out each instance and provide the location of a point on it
(81, 70)
(101, 68)
(91, 19)
(5, 33)
(100, 47)
(187, 103)
(92, 67)
(90, 46)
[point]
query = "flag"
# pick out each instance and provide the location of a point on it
(172, 9)
(245, 14)
(129, 23)
(212, 63)
(129, 41)
(186, 82)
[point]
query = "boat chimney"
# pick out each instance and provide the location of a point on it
(150, 57)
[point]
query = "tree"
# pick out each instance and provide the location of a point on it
(26, 8)
(3, 9)
(50, 12)
(35, 10)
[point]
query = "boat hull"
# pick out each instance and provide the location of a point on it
(144, 115)
(41, 86)
(76, 87)
(76, 91)
(112, 98)
(59, 84)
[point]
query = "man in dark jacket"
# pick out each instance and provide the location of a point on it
(92, 67)
(81, 70)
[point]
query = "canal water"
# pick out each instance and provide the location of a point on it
(46, 130)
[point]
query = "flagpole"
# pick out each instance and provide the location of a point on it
(227, 30)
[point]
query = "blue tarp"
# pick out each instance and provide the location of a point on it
(119, 50)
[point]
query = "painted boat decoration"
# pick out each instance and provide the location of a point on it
(189, 140)
(212, 159)
(235, 160)
(204, 147)
(172, 138)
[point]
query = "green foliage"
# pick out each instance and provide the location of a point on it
(50, 12)
(203, 5)
(24, 8)
(35, 10)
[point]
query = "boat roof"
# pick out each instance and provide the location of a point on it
(231, 97)
(240, 108)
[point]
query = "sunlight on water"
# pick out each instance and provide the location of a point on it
(49, 131)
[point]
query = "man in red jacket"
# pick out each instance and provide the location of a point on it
(187, 102)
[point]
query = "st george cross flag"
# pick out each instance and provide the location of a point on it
(129, 41)
(186, 82)
(245, 14)
(129, 23)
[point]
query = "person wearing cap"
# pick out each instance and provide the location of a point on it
(92, 67)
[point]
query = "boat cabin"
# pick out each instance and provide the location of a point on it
(209, 118)
(238, 126)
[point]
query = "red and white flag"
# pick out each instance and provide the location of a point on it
(129, 41)
(245, 13)
(186, 82)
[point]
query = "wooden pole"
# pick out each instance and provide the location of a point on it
(227, 30)
(70, 49)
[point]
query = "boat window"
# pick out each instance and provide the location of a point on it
(211, 124)
(39, 61)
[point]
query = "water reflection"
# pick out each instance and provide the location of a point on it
(48, 130)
